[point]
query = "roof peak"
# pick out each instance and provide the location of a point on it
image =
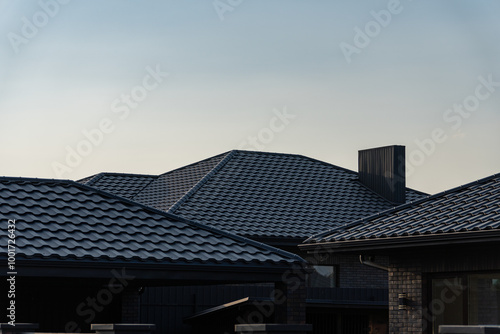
(197, 162)
(296, 156)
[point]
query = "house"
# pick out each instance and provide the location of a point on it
(443, 256)
(281, 200)
(79, 256)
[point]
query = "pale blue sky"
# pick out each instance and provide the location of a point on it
(228, 79)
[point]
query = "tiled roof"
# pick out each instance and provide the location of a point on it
(266, 195)
(124, 185)
(469, 208)
(158, 191)
(64, 220)
(168, 188)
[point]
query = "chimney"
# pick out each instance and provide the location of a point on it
(382, 169)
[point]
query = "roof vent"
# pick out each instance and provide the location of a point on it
(382, 169)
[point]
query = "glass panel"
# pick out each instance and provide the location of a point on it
(447, 304)
(322, 277)
(484, 299)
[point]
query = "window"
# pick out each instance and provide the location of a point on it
(469, 299)
(484, 299)
(447, 304)
(322, 277)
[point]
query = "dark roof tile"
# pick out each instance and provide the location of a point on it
(65, 220)
(258, 194)
(124, 185)
(472, 207)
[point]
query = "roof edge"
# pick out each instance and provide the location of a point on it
(401, 207)
(195, 163)
(163, 213)
(300, 156)
(92, 178)
(422, 240)
(96, 177)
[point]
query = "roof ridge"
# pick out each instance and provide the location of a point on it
(162, 213)
(126, 174)
(300, 156)
(203, 180)
(93, 178)
(195, 163)
(96, 177)
(402, 206)
(336, 167)
(34, 179)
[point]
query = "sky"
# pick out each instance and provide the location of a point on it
(149, 86)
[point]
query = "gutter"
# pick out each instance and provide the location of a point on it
(372, 264)
(448, 238)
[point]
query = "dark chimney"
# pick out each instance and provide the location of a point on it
(382, 169)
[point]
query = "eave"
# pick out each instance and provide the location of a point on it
(152, 274)
(403, 242)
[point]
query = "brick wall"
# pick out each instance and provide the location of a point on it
(353, 274)
(411, 273)
(405, 277)
(350, 272)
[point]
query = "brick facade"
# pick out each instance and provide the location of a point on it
(350, 272)
(405, 277)
(353, 274)
(411, 274)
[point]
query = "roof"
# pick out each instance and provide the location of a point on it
(259, 194)
(124, 185)
(471, 212)
(58, 220)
